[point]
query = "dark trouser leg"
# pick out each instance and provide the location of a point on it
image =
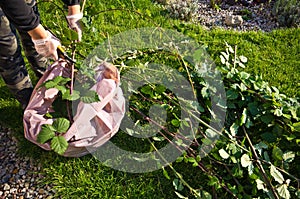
(37, 62)
(12, 66)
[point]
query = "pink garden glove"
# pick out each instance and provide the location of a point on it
(47, 47)
(74, 23)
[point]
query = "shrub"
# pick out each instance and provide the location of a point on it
(182, 9)
(287, 12)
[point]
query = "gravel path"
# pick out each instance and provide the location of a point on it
(255, 16)
(19, 176)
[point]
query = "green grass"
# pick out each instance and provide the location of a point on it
(274, 55)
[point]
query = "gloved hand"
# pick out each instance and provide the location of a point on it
(74, 23)
(47, 47)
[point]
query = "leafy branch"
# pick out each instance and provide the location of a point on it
(252, 105)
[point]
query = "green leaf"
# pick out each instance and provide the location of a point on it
(267, 118)
(297, 126)
(223, 61)
(231, 94)
(226, 55)
(206, 195)
(205, 92)
(158, 138)
(179, 142)
(90, 97)
(59, 144)
(244, 75)
(243, 117)
(179, 159)
(177, 184)
(288, 156)
(234, 129)
(269, 137)
(229, 48)
(283, 191)
(276, 174)
(160, 89)
(61, 125)
(46, 133)
(213, 180)
(180, 196)
(224, 154)
(146, 89)
(206, 141)
(241, 65)
(211, 134)
(175, 122)
(50, 84)
(243, 59)
(277, 153)
(148, 12)
(59, 80)
(67, 96)
(166, 174)
(245, 160)
(62, 89)
(260, 146)
(278, 112)
(260, 185)
(250, 169)
(266, 156)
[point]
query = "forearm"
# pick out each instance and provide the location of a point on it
(20, 14)
(38, 33)
(74, 9)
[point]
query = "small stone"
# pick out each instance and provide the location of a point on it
(6, 178)
(21, 197)
(26, 184)
(6, 187)
(16, 170)
(28, 195)
(41, 191)
(22, 172)
(1, 193)
(233, 20)
(13, 190)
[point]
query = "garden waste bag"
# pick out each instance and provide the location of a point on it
(93, 123)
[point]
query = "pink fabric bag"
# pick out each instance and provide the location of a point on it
(92, 126)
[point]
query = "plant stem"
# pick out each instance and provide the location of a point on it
(278, 168)
(235, 50)
(82, 7)
(260, 167)
(235, 180)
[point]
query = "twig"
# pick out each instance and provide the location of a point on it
(82, 7)
(235, 50)
(188, 74)
(163, 128)
(174, 170)
(260, 167)
(285, 172)
(235, 180)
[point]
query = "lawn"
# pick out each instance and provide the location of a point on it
(273, 55)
